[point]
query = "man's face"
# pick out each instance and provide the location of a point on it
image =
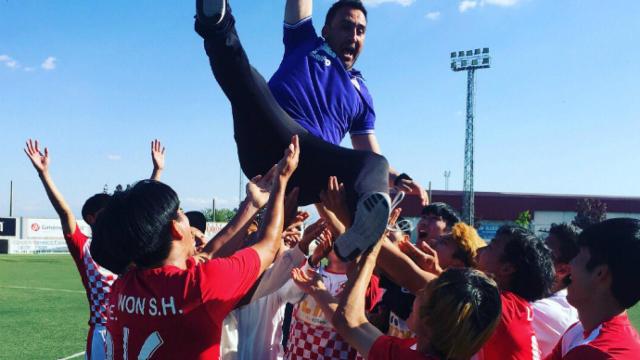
(200, 240)
(431, 227)
(345, 34)
(581, 287)
(446, 247)
(489, 260)
(562, 270)
(184, 228)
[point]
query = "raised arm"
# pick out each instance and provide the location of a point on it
(350, 320)
(232, 236)
(401, 269)
(403, 182)
(40, 162)
(269, 234)
(157, 157)
(296, 10)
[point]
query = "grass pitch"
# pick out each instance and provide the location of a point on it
(44, 310)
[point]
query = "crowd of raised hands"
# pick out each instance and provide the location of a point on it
(442, 296)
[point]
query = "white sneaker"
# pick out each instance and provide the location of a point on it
(211, 12)
(372, 215)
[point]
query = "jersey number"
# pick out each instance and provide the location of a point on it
(151, 344)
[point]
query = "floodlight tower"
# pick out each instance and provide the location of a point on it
(470, 60)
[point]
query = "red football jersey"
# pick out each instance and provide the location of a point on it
(514, 337)
(96, 279)
(170, 313)
(613, 339)
(389, 347)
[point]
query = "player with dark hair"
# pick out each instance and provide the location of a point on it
(436, 220)
(553, 315)
(522, 266)
(452, 317)
(97, 280)
(603, 284)
(168, 304)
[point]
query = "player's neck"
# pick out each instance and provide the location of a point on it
(177, 257)
(597, 311)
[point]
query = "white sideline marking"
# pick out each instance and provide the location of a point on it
(73, 356)
(42, 289)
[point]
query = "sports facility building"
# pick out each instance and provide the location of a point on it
(494, 209)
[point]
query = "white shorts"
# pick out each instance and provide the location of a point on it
(96, 343)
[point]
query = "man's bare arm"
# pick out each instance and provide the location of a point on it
(369, 142)
(401, 269)
(40, 162)
(296, 10)
(270, 233)
(349, 319)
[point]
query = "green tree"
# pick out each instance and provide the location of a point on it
(524, 219)
(589, 212)
(222, 215)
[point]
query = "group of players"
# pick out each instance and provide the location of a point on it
(359, 288)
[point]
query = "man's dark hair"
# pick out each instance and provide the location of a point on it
(352, 4)
(616, 244)
(94, 204)
(534, 271)
(135, 227)
(448, 214)
(567, 236)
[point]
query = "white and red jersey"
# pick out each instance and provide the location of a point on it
(514, 337)
(613, 339)
(552, 317)
(173, 313)
(311, 335)
(97, 280)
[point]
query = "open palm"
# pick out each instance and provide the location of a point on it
(40, 161)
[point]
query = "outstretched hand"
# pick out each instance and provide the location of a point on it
(413, 188)
(311, 233)
(308, 281)
(325, 245)
(334, 200)
(40, 161)
(157, 154)
(289, 162)
(259, 188)
(424, 256)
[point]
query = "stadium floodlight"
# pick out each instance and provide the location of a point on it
(470, 61)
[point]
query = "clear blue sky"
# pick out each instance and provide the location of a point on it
(97, 81)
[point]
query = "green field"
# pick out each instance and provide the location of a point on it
(44, 311)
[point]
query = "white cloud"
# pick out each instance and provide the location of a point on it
(114, 157)
(467, 5)
(433, 15)
(471, 4)
(378, 2)
(9, 61)
(49, 63)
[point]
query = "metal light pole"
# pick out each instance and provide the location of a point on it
(11, 199)
(470, 61)
(447, 175)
